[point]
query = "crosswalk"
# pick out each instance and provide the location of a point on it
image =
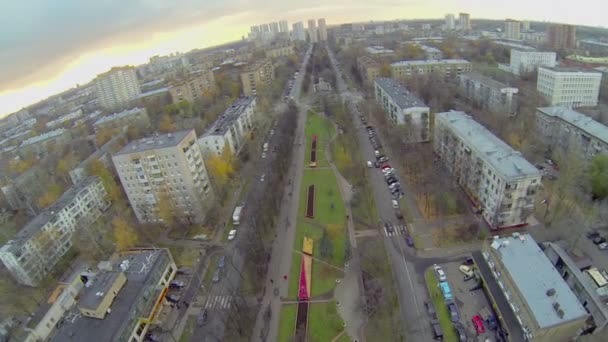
(396, 231)
(218, 302)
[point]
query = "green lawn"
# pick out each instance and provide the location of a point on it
(294, 276)
(188, 329)
(323, 278)
(324, 322)
(326, 194)
(443, 315)
(323, 129)
(287, 322)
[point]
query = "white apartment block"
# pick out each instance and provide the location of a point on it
(117, 87)
(512, 29)
(527, 60)
(448, 68)
(77, 114)
(38, 246)
(298, 32)
(136, 116)
(41, 143)
(569, 87)
(165, 167)
(489, 93)
(564, 128)
(403, 108)
(322, 30)
(312, 31)
(495, 176)
(283, 26)
(230, 129)
(449, 21)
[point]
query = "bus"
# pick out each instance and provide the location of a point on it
(236, 216)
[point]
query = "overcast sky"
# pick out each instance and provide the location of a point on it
(47, 46)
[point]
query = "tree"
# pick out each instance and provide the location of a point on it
(50, 196)
(104, 135)
(221, 167)
(598, 172)
(126, 237)
(166, 210)
(385, 70)
(166, 124)
(65, 164)
(97, 168)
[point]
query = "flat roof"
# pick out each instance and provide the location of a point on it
(43, 137)
(118, 115)
(594, 42)
(368, 61)
(378, 50)
(257, 65)
(571, 70)
(578, 120)
(427, 48)
(154, 142)
(96, 289)
(154, 92)
(487, 81)
(403, 97)
(432, 61)
(537, 280)
(515, 46)
(502, 157)
(223, 123)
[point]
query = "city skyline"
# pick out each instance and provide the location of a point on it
(33, 69)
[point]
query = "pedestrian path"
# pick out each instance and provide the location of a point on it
(396, 231)
(218, 302)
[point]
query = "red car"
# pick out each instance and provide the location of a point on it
(386, 166)
(478, 323)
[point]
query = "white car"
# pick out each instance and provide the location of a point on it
(231, 235)
(262, 177)
(263, 155)
(439, 273)
(466, 270)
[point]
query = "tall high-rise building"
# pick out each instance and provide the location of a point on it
(449, 21)
(259, 73)
(264, 28)
(283, 26)
(464, 20)
(255, 31)
(512, 29)
(322, 30)
(312, 31)
(525, 25)
(117, 87)
(561, 36)
(274, 28)
(165, 171)
(298, 32)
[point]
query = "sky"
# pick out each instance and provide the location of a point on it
(48, 46)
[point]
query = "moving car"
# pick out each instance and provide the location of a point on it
(172, 298)
(176, 284)
(222, 262)
(262, 177)
(409, 241)
(369, 164)
(478, 324)
(389, 227)
(216, 276)
(202, 318)
(453, 309)
(231, 235)
(439, 273)
(395, 203)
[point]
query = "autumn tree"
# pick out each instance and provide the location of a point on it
(166, 124)
(221, 168)
(49, 197)
(104, 135)
(97, 168)
(65, 164)
(598, 172)
(166, 210)
(385, 70)
(126, 237)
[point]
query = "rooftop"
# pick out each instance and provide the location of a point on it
(257, 65)
(540, 285)
(502, 157)
(403, 97)
(579, 120)
(43, 137)
(96, 288)
(594, 42)
(427, 48)
(34, 225)
(487, 81)
(515, 46)
(375, 50)
(368, 61)
(223, 123)
(154, 92)
(154, 142)
(118, 115)
(428, 62)
(571, 70)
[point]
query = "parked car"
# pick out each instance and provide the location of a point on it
(216, 276)
(383, 159)
(202, 318)
(398, 215)
(437, 332)
(152, 338)
(592, 234)
(409, 241)
(394, 185)
(430, 309)
(598, 240)
(478, 324)
(176, 284)
(184, 270)
(468, 261)
(602, 246)
(172, 298)
(466, 270)
(391, 180)
(468, 277)
(491, 322)
(453, 309)
(461, 332)
(439, 273)
(386, 166)
(231, 235)
(377, 165)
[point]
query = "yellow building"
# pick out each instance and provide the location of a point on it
(369, 68)
(255, 75)
(449, 68)
(193, 88)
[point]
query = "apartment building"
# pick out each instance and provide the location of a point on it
(464, 20)
(313, 35)
(117, 87)
(280, 50)
(403, 108)
(298, 32)
(41, 143)
(135, 116)
(498, 179)
(123, 299)
(525, 60)
(561, 36)
(448, 68)
(256, 75)
(62, 120)
(543, 304)
(449, 22)
(283, 26)
(565, 129)
(379, 51)
(593, 48)
(322, 30)
(587, 284)
(193, 87)
(569, 87)
(41, 243)
(369, 68)
(489, 93)
(431, 52)
(512, 29)
(230, 129)
(167, 167)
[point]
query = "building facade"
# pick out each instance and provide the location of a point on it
(512, 29)
(256, 75)
(525, 61)
(431, 52)
(280, 50)
(543, 304)
(449, 22)
(369, 68)
(593, 48)
(194, 87)
(43, 143)
(283, 26)
(38, 246)
(561, 36)
(134, 116)
(403, 108)
(448, 68)
(565, 129)
(165, 171)
(298, 33)
(322, 30)
(230, 129)
(489, 93)
(117, 87)
(313, 35)
(569, 87)
(464, 19)
(500, 182)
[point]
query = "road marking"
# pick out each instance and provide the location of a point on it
(218, 302)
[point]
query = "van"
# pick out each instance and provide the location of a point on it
(395, 204)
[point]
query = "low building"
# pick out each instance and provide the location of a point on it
(321, 86)
(448, 68)
(489, 93)
(230, 129)
(281, 50)
(542, 302)
(369, 68)
(379, 51)
(403, 108)
(135, 116)
(41, 143)
(526, 60)
(256, 75)
(593, 48)
(194, 87)
(498, 179)
(123, 299)
(60, 121)
(582, 280)
(566, 129)
(569, 87)
(430, 52)
(41, 243)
